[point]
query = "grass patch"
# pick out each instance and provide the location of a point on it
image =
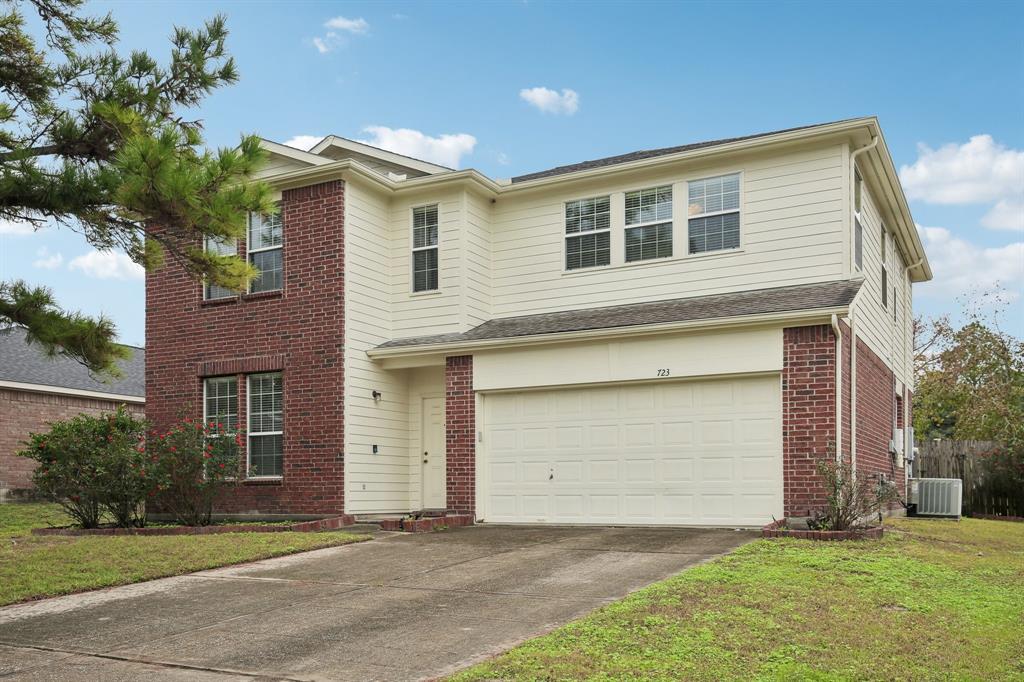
(44, 566)
(932, 600)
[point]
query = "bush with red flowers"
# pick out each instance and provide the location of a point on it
(91, 465)
(192, 464)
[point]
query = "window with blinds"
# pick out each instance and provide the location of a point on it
(588, 233)
(649, 224)
(714, 213)
(424, 248)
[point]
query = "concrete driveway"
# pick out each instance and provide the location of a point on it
(399, 607)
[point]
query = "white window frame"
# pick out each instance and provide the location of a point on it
(206, 284)
(206, 416)
(739, 211)
(249, 433)
(670, 222)
(414, 249)
(249, 250)
(566, 236)
(885, 275)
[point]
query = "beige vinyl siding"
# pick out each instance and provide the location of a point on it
(374, 482)
(875, 326)
(427, 312)
(477, 290)
(792, 209)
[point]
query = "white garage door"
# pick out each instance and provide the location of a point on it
(683, 452)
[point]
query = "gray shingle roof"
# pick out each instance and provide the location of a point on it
(757, 302)
(27, 364)
(650, 153)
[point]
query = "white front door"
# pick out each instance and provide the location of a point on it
(686, 452)
(432, 454)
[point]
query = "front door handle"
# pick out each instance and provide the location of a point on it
(425, 456)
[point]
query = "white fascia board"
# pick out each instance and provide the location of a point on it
(77, 392)
(789, 318)
(377, 152)
(293, 153)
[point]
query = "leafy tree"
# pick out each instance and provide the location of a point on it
(98, 142)
(970, 379)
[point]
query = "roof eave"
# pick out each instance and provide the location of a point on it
(460, 347)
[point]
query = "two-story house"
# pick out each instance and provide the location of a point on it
(672, 336)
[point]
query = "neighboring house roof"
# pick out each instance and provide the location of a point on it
(757, 302)
(26, 364)
(651, 153)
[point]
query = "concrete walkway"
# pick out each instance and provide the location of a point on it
(400, 607)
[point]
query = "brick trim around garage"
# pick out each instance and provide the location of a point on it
(460, 429)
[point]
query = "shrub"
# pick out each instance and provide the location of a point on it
(91, 465)
(852, 500)
(193, 463)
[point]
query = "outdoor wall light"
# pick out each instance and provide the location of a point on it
(377, 395)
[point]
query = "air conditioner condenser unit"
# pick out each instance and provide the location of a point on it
(936, 497)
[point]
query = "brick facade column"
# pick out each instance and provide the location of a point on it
(297, 330)
(808, 414)
(460, 434)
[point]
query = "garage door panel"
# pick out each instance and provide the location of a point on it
(678, 453)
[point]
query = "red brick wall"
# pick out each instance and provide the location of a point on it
(808, 413)
(876, 402)
(460, 434)
(24, 412)
(847, 391)
(299, 330)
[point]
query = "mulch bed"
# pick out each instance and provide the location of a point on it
(333, 523)
(776, 529)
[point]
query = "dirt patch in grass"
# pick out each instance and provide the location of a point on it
(42, 566)
(934, 599)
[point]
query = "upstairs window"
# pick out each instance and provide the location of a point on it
(424, 248)
(649, 224)
(588, 240)
(266, 425)
(714, 210)
(220, 247)
(885, 270)
(266, 235)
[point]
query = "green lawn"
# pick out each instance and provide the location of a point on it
(933, 600)
(33, 567)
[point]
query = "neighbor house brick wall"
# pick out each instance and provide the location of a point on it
(875, 414)
(460, 432)
(808, 414)
(24, 412)
(298, 330)
(846, 369)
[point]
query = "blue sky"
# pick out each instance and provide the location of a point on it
(447, 80)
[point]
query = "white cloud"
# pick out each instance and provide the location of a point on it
(332, 40)
(550, 101)
(358, 26)
(977, 172)
(107, 265)
(303, 142)
(503, 159)
(961, 267)
(47, 260)
(398, 16)
(1007, 214)
(16, 227)
(446, 150)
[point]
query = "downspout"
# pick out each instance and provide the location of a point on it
(839, 387)
(853, 327)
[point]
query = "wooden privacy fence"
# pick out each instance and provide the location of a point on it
(965, 459)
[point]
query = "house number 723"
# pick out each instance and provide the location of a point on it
(663, 372)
